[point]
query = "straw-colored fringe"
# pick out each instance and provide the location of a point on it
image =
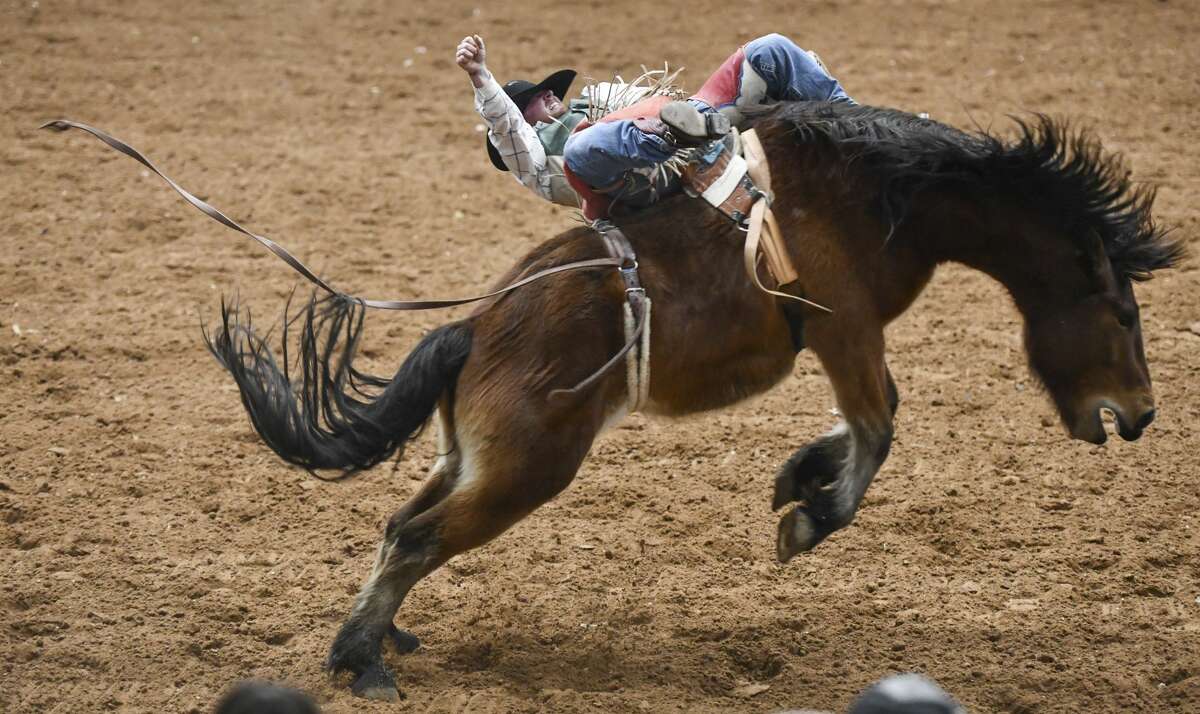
(659, 82)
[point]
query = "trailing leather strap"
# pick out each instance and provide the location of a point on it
(760, 214)
(762, 223)
(619, 248)
(295, 263)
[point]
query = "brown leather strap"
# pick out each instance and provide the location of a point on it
(763, 232)
(619, 247)
(756, 160)
(294, 262)
(758, 212)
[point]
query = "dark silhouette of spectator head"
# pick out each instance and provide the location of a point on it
(265, 698)
(906, 694)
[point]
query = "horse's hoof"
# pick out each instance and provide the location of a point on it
(376, 683)
(403, 640)
(814, 466)
(797, 534)
(785, 489)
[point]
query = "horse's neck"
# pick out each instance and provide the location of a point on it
(994, 239)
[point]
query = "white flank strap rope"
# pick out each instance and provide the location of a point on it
(637, 362)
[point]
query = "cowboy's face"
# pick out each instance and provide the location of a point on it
(544, 107)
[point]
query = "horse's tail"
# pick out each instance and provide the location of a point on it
(333, 416)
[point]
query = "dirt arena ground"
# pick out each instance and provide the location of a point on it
(153, 551)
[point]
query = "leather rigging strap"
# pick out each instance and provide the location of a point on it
(294, 262)
(618, 246)
(762, 223)
(761, 219)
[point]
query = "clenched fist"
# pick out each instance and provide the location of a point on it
(471, 55)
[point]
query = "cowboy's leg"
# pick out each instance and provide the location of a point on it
(790, 73)
(769, 69)
(601, 154)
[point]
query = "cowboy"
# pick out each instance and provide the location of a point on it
(531, 132)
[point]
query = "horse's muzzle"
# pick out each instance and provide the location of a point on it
(1089, 426)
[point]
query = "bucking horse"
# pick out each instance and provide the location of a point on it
(870, 202)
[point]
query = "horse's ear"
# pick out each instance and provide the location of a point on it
(1095, 262)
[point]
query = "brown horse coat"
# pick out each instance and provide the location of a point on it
(871, 201)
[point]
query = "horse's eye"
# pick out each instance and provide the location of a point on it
(1125, 319)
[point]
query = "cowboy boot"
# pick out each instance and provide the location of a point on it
(687, 126)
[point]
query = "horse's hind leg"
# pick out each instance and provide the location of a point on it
(358, 644)
(405, 556)
(442, 475)
(499, 479)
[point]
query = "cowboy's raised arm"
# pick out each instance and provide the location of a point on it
(471, 55)
(516, 141)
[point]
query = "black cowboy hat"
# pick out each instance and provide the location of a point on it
(521, 91)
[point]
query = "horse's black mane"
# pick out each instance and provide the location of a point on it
(1061, 172)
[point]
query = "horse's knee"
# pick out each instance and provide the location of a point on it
(394, 524)
(404, 529)
(411, 545)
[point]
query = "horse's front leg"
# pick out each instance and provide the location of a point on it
(818, 463)
(830, 475)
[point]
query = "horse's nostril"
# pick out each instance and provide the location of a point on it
(1145, 420)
